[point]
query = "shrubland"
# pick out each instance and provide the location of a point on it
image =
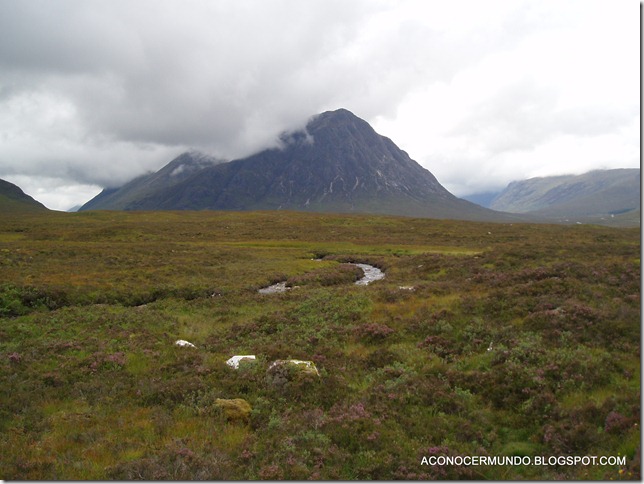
(483, 339)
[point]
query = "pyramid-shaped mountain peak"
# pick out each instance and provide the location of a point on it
(338, 163)
(338, 115)
(338, 119)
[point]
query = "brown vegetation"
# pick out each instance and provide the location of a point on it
(515, 340)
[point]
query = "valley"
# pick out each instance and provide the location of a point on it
(482, 339)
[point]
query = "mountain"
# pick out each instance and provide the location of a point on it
(13, 199)
(591, 196)
(175, 172)
(338, 163)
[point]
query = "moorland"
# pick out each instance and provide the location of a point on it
(483, 339)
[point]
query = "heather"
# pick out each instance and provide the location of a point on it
(482, 339)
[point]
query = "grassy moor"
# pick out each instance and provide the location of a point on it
(483, 339)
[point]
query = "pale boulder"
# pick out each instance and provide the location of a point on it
(184, 343)
(281, 372)
(234, 361)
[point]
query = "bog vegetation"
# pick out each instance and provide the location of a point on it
(483, 339)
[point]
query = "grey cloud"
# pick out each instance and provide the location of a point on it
(524, 116)
(593, 121)
(511, 120)
(145, 78)
(197, 73)
(226, 77)
(68, 37)
(100, 91)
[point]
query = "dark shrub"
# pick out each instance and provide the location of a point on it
(373, 331)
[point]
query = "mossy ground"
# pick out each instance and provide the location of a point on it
(483, 339)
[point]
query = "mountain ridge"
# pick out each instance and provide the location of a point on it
(175, 172)
(337, 163)
(593, 195)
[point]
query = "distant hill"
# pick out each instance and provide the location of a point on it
(338, 163)
(13, 199)
(595, 195)
(175, 172)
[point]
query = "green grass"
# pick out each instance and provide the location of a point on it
(93, 387)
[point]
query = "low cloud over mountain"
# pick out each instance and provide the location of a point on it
(338, 163)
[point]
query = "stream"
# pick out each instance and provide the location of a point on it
(371, 274)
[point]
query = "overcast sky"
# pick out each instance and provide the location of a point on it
(480, 92)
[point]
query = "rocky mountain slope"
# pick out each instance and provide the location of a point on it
(177, 171)
(338, 163)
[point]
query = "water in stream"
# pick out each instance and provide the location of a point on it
(275, 288)
(371, 274)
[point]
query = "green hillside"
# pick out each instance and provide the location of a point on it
(13, 199)
(517, 341)
(599, 196)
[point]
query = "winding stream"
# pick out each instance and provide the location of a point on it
(371, 274)
(275, 288)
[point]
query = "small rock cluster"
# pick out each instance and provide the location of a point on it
(278, 374)
(281, 372)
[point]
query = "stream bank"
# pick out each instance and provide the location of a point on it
(371, 274)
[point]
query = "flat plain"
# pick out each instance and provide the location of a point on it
(483, 339)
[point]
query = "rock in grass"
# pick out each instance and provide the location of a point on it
(235, 361)
(306, 367)
(235, 409)
(184, 343)
(281, 372)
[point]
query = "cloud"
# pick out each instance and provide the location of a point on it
(54, 193)
(227, 76)
(89, 81)
(42, 134)
(558, 97)
(196, 72)
(523, 116)
(98, 92)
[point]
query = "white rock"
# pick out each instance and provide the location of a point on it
(182, 342)
(234, 361)
(310, 366)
